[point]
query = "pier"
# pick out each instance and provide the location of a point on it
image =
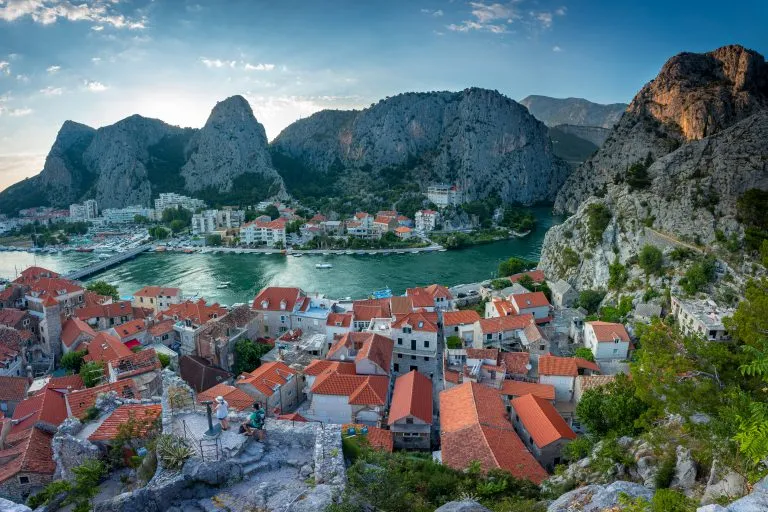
(99, 266)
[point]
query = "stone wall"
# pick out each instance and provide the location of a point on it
(329, 459)
(177, 398)
(69, 451)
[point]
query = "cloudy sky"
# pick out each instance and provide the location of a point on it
(97, 61)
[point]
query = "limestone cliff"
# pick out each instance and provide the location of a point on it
(573, 111)
(478, 139)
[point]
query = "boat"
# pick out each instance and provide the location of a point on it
(104, 256)
(297, 255)
(372, 253)
(381, 294)
(323, 265)
(223, 285)
(349, 253)
(442, 250)
(84, 249)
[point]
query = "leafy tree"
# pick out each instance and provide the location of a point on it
(213, 240)
(92, 373)
(637, 176)
(570, 258)
(650, 259)
(104, 288)
(72, 361)
(618, 313)
(454, 342)
(527, 282)
(617, 275)
(177, 225)
(164, 359)
(158, 232)
(272, 211)
(584, 353)
(514, 265)
(699, 275)
(598, 218)
(612, 408)
(248, 355)
(590, 300)
(173, 214)
(140, 219)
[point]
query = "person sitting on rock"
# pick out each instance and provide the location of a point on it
(222, 412)
(255, 423)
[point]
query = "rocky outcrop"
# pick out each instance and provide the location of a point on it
(462, 506)
(64, 175)
(598, 498)
(478, 139)
(573, 111)
(231, 143)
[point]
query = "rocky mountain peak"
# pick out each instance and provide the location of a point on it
(233, 110)
(573, 111)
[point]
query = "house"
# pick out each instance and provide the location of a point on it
(434, 297)
(143, 368)
(66, 293)
(260, 232)
(473, 365)
(105, 347)
(105, 316)
(19, 320)
(337, 325)
(474, 428)
(461, 324)
(645, 312)
(410, 413)
(518, 364)
(500, 331)
(200, 374)
(277, 305)
(586, 382)
(541, 428)
(145, 417)
(73, 333)
(377, 438)
(80, 400)
(416, 342)
(701, 318)
(498, 307)
(132, 334)
(563, 294)
(162, 332)
(533, 303)
(534, 340)
(12, 362)
(237, 399)
(537, 276)
(403, 232)
(273, 384)
(339, 395)
(561, 372)
(189, 317)
(384, 224)
(607, 340)
(426, 220)
(366, 311)
(444, 195)
(217, 338)
(12, 391)
(371, 352)
(511, 389)
(156, 298)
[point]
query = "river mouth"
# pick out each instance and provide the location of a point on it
(206, 275)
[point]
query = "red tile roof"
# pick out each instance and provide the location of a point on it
(537, 276)
(52, 287)
(198, 312)
(419, 321)
(80, 401)
(105, 347)
(157, 291)
(293, 416)
(161, 328)
(145, 415)
(371, 346)
(451, 318)
(130, 328)
(474, 427)
(412, 397)
(505, 323)
(48, 406)
(542, 421)
(272, 297)
(483, 353)
(267, 376)
(523, 301)
(421, 298)
(519, 388)
(73, 329)
(401, 305)
(378, 438)
(33, 273)
(318, 366)
(28, 451)
(361, 389)
(66, 382)
(439, 291)
(113, 310)
(13, 389)
(137, 363)
(607, 332)
(339, 320)
(11, 317)
(366, 310)
(235, 397)
(566, 366)
(94, 299)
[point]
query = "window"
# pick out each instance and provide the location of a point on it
(413, 358)
(282, 318)
(399, 356)
(542, 347)
(407, 330)
(399, 341)
(23, 480)
(615, 351)
(414, 368)
(426, 343)
(426, 359)
(409, 421)
(489, 336)
(397, 366)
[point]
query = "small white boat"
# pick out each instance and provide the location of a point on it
(104, 256)
(222, 285)
(372, 253)
(349, 253)
(323, 265)
(297, 255)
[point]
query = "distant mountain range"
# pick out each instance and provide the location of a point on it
(573, 111)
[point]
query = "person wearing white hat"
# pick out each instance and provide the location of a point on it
(222, 412)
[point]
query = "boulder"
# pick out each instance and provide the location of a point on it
(730, 484)
(647, 468)
(712, 508)
(217, 473)
(10, 506)
(596, 498)
(319, 498)
(462, 506)
(685, 470)
(755, 502)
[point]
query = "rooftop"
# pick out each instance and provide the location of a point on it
(412, 397)
(542, 421)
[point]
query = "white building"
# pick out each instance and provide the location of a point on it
(124, 215)
(444, 195)
(204, 222)
(88, 210)
(606, 340)
(426, 220)
(172, 200)
(263, 233)
(701, 317)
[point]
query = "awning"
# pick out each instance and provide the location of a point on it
(133, 343)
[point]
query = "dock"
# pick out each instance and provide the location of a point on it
(99, 266)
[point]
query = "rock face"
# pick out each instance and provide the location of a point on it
(573, 111)
(598, 498)
(129, 162)
(462, 506)
(594, 134)
(478, 139)
(231, 143)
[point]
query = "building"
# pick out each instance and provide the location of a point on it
(87, 211)
(143, 368)
(74, 333)
(645, 312)
(12, 362)
(461, 324)
(586, 382)
(124, 215)
(561, 372)
(701, 318)
(80, 400)
(132, 334)
(105, 316)
(268, 233)
(563, 294)
(416, 343)
(607, 340)
(511, 389)
(104, 347)
(13, 390)
(189, 317)
(426, 220)
(217, 338)
(403, 232)
(434, 297)
(337, 325)
(410, 413)
(145, 416)
(543, 431)
(533, 303)
(204, 222)
(444, 195)
(156, 298)
(367, 311)
(474, 429)
(199, 374)
(171, 200)
(273, 384)
(277, 306)
(533, 340)
(371, 353)
(500, 332)
(237, 399)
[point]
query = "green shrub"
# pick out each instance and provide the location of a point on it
(590, 300)
(173, 451)
(49, 492)
(570, 258)
(598, 218)
(164, 359)
(699, 275)
(665, 473)
(650, 259)
(454, 342)
(579, 448)
(584, 353)
(500, 284)
(514, 265)
(617, 275)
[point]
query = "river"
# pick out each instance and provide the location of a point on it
(351, 276)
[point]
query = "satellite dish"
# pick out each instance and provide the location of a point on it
(343, 357)
(528, 367)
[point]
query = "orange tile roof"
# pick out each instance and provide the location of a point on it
(452, 376)
(474, 427)
(483, 353)
(533, 334)
(520, 388)
(464, 317)
(146, 415)
(412, 397)
(29, 451)
(235, 397)
(529, 300)
(130, 328)
(401, 305)
(267, 376)
(74, 328)
(566, 366)
(274, 296)
(378, 438)
(137, 363)
(366, 310)
(11, 316)
(33, 273)
(371, 346)
(13, 389)
(421, 298)
(105, 347)
(607, 332)
(53, 287)
(161, 328)
(439, 291)
(293, 416)
(198, 312)
(113, 310)
(587, 382)
(339, 320)
(79, 401)
(48, 406)
(419, 321)
(505, 323)
(94, 299)
(537, 276)
(66, 382)
(361, 389)
(403, 229)
(503, 306)
(318, 366)
(157, 291)
(542, 421)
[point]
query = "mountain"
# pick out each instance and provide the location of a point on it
(571, 147)
(690, 145)
(573, 111)
(594, 134)
(478, 139)
(133, 160)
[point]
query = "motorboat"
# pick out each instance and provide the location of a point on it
(323, 265)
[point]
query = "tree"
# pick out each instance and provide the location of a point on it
(92, 373)
(612, 408)
(598, 218)
(699, 275)
(272, 211)
(513, 265)
(164, 359)
(637, 176)
(72, 361)
(158, 232)
(140, 219)
(248, 355)
(617, 275)
(213, 240)
(454, 342)
(584, 353)
(590, 300)
(104, 288)
(650, 259)
(177, 225)
(526, 282)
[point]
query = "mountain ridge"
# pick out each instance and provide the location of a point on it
(573, 111)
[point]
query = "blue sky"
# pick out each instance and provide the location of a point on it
(99, 61)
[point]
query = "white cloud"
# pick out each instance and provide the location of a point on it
(5, 67)
(436, 13)
(258, 67)
(218, 63)
(545, 18)
(47, 12)
(22, 78)
(561, 11)
(20, 112)
(52, 91)
(95, 59)
(277, 112)
(53, 69)
(556, 49)
(492, 18)
(94, 86)
(97, 28)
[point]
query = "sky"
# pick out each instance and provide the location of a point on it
(98, 61)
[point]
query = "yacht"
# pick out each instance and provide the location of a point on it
(323, 265)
